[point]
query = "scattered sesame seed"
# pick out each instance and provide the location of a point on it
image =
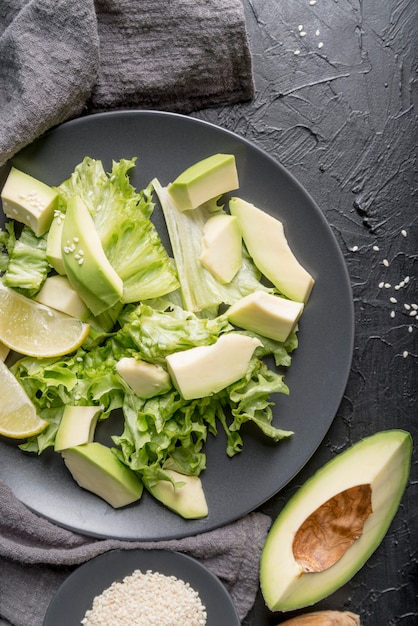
(405, 354)
(317, 32)
(414, 306)
(404, 233)
(407, 306)
(303, 34)
(376, 248)
(76, 239)
(413, 313)
(406, 280)
(410, 329)
(296, 52)
(300, 27)
(312, 2)
(381, 285)
(392, 314)
(354, 249)
(320, 45)
(80, 261)
(393, 300)
(387, 285)
(385, 262)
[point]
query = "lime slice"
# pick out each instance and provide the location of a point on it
(35, 329)
(18, 417)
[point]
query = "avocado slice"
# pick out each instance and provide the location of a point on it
(29, 201)
(77, 426)
(268, 315)
(205, 370)
(221, 247)
(86, 265)
(204, 181)
(333, 524)
(57, 293)
(266, 242)
(53, 243)
(95, 468)
(145, 379)
(185, 497)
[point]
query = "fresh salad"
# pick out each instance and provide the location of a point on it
(186, 340)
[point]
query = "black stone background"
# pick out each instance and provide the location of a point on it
(342, 118)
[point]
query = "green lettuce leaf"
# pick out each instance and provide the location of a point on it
(122, 219)
(28, 267)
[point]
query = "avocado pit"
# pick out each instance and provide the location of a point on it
(332, 528)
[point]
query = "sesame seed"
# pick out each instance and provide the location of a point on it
(407, 306)
(376, 248)
(381, 285)
(354, 249)
(404, 233)
(312, 2)
(392, 314)
(413, 313)
(300, 27)
(80, 261)
(303, 34)
(320, 45)
(406, 280)
(414, 306)
(387, 285)
(385, 262)
(296, 52)
(76, 239)
(393, 300)
(405, 354)
(317, 32)
(410, 329)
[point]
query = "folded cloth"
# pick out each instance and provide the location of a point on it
(64, 58)
(36, 556)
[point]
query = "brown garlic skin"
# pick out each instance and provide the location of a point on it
(324, 618)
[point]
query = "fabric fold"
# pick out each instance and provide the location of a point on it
(65, 58)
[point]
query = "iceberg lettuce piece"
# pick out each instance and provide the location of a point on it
(200, 290)
(27, 267)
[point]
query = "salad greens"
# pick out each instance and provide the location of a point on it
(167, 306)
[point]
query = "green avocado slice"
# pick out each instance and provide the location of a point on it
(297, 568)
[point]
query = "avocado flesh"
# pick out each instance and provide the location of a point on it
(95, 468)
(187, 500)
(145, 379)
(266, 242)
(57, 293)
(29, 201)
(221, 247)
(53, 243)
(266, 314)
(204, 181)
(383, 461)
(77, 426)
(205, 370)
(86, 265)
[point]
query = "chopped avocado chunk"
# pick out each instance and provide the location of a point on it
(349, 503)
(58, 293)
(145, 379)
(185, 497)
(268, 315)
(222, 247)
(77, 426)
(95, 468)
(29, 201)
(266, 242)
(205, 370)
(53, 243)
(86, 264)
(204, 181)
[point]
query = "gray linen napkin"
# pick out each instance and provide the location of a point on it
(63, 58)
(36, 556)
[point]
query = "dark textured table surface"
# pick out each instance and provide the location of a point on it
(336, 104)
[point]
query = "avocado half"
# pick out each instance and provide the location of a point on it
(336, 520)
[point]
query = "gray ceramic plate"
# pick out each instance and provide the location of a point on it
(165, 144)
(76, 594)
